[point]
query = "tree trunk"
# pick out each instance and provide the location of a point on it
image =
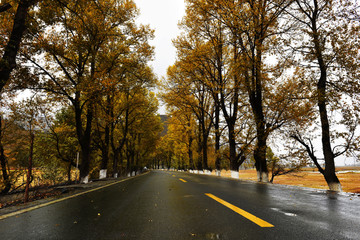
(8, 61)
(29, 170)
(3, 163)
(5, 175)
(113, 147)
(190, 153)
(260, 148)
(329, 171)
(69, 172)
(200, 145)
(256, 102)
(234, 163)
(106, 146)
(232, 148)
(217, 137)
(85, 143)
(230, 118)
(217, 97)
(105, 153)
(332, 180)
(115, 164)
(85, 161)
(117, 149)
(128, 158)
(260, 158)
(205, 150)
(272, 178)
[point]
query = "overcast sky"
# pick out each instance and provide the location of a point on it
(163, 16)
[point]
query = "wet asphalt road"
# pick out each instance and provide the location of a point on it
(173, 205)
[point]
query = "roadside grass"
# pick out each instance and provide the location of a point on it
(41, 186)
(309, 177)
(40, 178)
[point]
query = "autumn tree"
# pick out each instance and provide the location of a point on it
(282, 165)
(14, 142)
(127, 99)
(251, 28)
(124, 80)
(124, 68)
(75, 36)
(87, 55)
(164, 153)
(202, 103)
(61, 138)
(182, 135)
(216, 58)
(144, 131)
(28, 115)
(223, 50)
(327, 42)
(184, 123)
(186, 93)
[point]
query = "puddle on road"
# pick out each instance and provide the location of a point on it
(290, 214)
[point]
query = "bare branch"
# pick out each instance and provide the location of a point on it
(4, 7)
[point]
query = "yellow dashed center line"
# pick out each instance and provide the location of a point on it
(243, 213)
(182, 180)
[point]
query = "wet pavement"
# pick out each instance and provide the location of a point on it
(173, 205)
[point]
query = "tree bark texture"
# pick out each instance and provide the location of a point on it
(261, 135)
(8, 60)
(4, 7)
(217, 137)
(105, 149)
(29, 170)
(190, 152)
(234, 166)
(205, 136)
(3, 162)
(5, 174)
(329, 171)
(255, 90)
(84, 138)
(118, 148)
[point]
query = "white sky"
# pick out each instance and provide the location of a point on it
(163, 16)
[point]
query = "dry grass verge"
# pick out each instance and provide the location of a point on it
(348, 176)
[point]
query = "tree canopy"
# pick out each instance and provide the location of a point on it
(88, 60)
(274, 68)
(248, 73)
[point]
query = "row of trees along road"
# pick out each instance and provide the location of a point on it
(251, 70)
(86, 63)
